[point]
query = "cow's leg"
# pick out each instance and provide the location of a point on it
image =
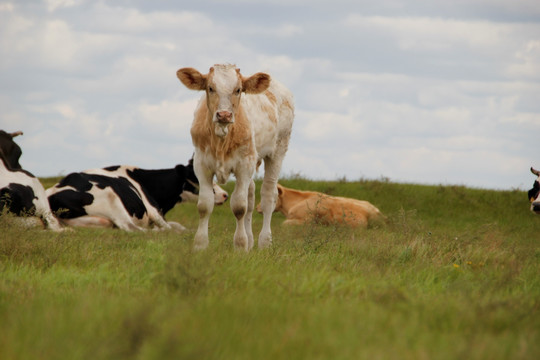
(249, 214)
(88, 221)
(108, 205)
(239, 207)
(43, 209)
(272, 166)
(205, 205)
(157, 219)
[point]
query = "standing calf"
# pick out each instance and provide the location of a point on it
(233, 133)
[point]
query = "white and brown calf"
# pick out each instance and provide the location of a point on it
(312, 207)
(239, 122)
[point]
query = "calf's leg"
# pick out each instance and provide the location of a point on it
(249, 214)
(205, 205)
(272, 166)
(239, 207)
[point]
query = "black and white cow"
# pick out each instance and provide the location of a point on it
(21, 193)
(126, 197)
(534, 193)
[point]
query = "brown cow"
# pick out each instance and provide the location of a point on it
(304, 207)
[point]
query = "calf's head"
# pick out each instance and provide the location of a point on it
(224, 86)
(534, 193)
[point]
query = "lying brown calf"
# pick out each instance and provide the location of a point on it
(304, 207)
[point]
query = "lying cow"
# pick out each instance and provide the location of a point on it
(22, 194)
(306, 207)
(126, 197)
(534, 193)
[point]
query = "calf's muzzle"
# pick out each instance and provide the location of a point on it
(224, 117)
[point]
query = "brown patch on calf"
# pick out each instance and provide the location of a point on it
(204, 136)
(239, 212)
(271, 97)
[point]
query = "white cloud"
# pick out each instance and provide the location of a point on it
(434, 34)
(317, 126)
(438, 94)
(527, 61)
(53, 5)
(169, 117)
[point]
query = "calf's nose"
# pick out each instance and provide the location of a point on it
(224, 116)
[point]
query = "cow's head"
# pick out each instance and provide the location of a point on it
(190, 192)
(224, 86)
(534, 193)
(12, 152)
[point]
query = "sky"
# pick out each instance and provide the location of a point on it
(421, 91)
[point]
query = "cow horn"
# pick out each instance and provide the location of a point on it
(535, 172)
(16, 133)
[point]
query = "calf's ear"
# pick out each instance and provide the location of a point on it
(192, 78)
(256, 84)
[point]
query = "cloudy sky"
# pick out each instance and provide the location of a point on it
(436, 92)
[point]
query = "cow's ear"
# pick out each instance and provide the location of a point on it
(256, 84)
(279, 190)
(192, 78)
(180, 170)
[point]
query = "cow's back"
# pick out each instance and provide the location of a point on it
(325, 209)
(271, 115)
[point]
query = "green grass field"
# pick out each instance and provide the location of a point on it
(455, 274)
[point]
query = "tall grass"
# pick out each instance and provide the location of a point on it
(454, 274)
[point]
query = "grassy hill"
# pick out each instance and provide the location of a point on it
(454, 274)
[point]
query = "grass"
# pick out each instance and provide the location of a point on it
(454, 274)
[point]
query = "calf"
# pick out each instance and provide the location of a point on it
(127, 197)
(534, 193)
(22, 194)
(12, 152)
(305, 207)
(233, 133)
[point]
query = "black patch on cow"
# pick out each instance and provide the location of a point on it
(535, 191)
(18, 199)
(70, 203)
(10, 149)
(6, 165)
(163, 187)
(191, 182)
(112, 168)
